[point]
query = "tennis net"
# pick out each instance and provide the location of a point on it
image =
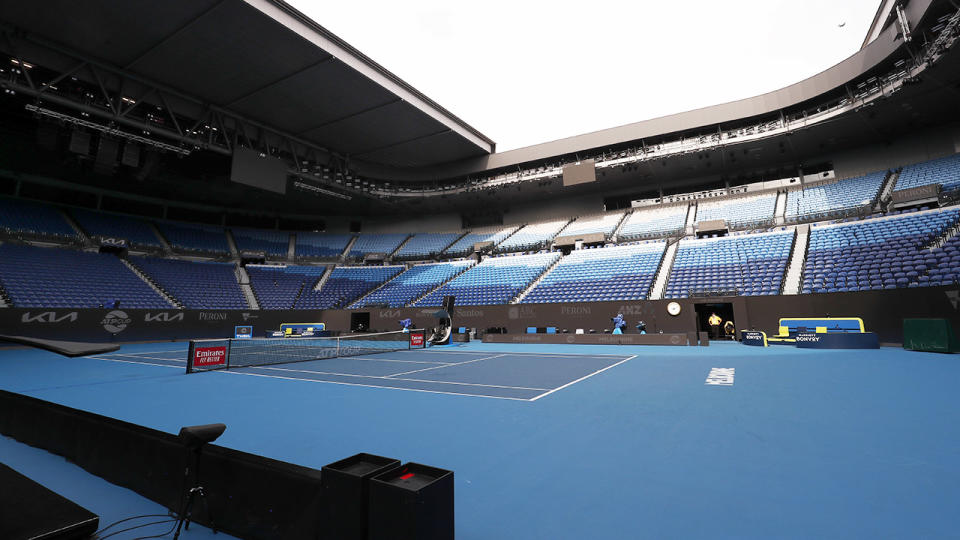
(214, 354)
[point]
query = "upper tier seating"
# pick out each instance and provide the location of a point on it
(496, 280)
(273, 243)
(424, 245)
(883, 253)
(131, 229)
(464, 246)
(836, 198)
(413, 283)
(23, 217)
(944, 171)
(278, 287)
(346, 284)
(748, 265)
(533, 236)
(197, 285)
(739, 212)
(321, 245)
(376, 243)
(603, 223)
(608, 273)
(53, 277)
(203, 238)
(654, 222)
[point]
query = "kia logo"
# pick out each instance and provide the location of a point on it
(48, 317)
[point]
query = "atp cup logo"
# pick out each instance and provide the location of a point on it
(115, 321)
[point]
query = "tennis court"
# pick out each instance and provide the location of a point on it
(524, 376)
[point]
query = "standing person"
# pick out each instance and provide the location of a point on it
(714, 322)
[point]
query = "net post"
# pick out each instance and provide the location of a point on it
(226, 364)
(190, 354)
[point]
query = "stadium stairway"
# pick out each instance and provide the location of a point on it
(84, 238)
(780, 209)
(146, 279)
(794, 276)
(691, 218)
(243, 279)
(615, 236)
(326, 275)
(533, 284)
(663, 273)
(886, 192)
(346, 250)
(397, 250)
(232, 243)
(292, 247)
(167, 249)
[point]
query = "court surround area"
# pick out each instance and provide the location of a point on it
(558, 441)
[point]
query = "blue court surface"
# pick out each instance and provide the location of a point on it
(567, 441)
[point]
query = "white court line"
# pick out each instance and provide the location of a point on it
(428, 351)
(438, 367)
(371, 385)
(111, 355)
(584, 377)
(390, 378)
(132, 362)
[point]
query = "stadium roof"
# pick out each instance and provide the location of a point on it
(261, 60)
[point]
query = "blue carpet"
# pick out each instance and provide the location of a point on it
(806, 443)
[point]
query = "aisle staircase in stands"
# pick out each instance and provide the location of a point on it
(234, 252)
(163, 241)
(243, 279)
(691, 218)
(886, 192)
(666, 264)
(535, 282)
(451, 278)
(794, 275)
(153, 285)
(780, 210)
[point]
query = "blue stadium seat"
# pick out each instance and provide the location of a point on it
(414, 283)
(496, 280)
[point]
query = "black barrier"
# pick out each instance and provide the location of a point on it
(250, 496)
(754, 337)
(811, 340)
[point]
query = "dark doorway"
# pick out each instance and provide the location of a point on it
(360, 322)
(724, 310)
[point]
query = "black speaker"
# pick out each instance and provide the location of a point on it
(413, 502)
(131, 155)
(345, 486)
(80, 142)
(107, 151)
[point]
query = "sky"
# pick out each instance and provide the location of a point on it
(525, 72)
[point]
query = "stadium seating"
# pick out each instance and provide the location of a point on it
(464, 246)
(830, 200)
(273, 243)
(533, 236)
(944, 171)
(346, 284)
(54, 277)
(23, 217)
(747, 265)
(376, 243)
(321, 245)
(608, 273)
(739, 212)
(99, 224)
(195, 238)
(413, 283)
(197, 285)
(649, 223)
(278, 287)
(496, 280)
(425, 245)
(882, 253)
(603, 223)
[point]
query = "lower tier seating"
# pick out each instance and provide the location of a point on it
(496, 280)
(413, 283)
(278, 287)
(746, 265)
(197, 285)
(54, 277)
(346, 284)
(609, 273)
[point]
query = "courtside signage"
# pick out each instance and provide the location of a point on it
(209, 356)
(416, 340)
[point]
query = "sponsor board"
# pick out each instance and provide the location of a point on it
(631, 310)
(468, 313)
(209, 356)
(247, 316)
(115, 321)
(48, 317)
(416, 339)
(521, 312)
(754, 338)
(215, 316)
(163, 317)
(389, 314)
(575, 310)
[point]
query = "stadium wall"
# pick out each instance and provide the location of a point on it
(913, 148)
(882, 311)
